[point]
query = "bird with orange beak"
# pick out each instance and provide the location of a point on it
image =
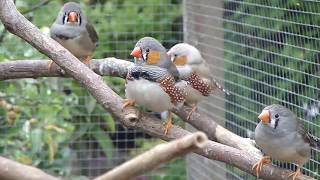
(281, 135)
(73, 31)
(194, 69)
(154, 80)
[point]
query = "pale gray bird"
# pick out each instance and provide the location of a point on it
(73, 31)
(154, 81)
(195, 70)
(281, 135)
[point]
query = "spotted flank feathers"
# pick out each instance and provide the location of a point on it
(176, 94)
(160, 75)
(206, 89)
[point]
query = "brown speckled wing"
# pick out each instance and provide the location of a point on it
(197, 83)
(176, 94)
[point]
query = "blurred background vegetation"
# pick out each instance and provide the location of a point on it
(53, 123)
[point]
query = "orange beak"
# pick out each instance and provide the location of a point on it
(136, 52)
(72, 16)
(264, 116)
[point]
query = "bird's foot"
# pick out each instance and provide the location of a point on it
(258, 165)
(50, 64)
(295, 174)
(87, 61)
(168, 124)
(193, 109)
(128, 102)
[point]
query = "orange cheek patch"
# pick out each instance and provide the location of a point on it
(153, 57)
(180, 60)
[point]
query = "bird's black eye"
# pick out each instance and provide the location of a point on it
(175, 55)
(148, 50)
(276, 116)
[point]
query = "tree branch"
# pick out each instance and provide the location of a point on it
(118, 67)
(39, 68)
(11, 170)
(156, 156)
(43, 3)
(18, 25)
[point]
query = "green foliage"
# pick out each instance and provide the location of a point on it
(56, 113)
(271, 56)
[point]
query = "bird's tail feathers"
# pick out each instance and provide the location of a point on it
(315, 141)
(219, 86)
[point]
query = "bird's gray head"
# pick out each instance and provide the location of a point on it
(183, 53)
(71, 14)
(277, 117)
(150, 51)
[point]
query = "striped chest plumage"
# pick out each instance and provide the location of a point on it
(197, 83)
(159, 76)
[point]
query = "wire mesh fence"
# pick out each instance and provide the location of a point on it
(266, 52)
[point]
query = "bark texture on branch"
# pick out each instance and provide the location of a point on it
(156, 156)
(18, 25)
(118, 67)
(39, 68)
(241, 159)
(11, 170)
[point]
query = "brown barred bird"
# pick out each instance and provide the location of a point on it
(195, 70)
(154, 80)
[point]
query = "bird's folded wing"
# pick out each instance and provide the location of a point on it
(314, 141)
(92, 33)
(309, 138)
(215, 83)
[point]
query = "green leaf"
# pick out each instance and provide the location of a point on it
(104, 141)
(110, 123)
(90, 104)
(36, 140)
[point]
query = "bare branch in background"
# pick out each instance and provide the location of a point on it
(39, 68)
(156, 156)
(11, 170)
(112, 102)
